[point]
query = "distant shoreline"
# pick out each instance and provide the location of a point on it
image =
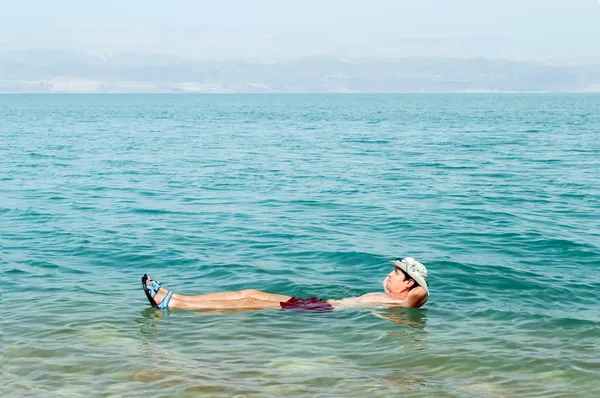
(39, 72)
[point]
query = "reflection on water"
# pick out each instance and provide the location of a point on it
(405, 317)
(409, 326)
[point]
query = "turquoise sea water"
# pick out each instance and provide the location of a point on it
(498, 195)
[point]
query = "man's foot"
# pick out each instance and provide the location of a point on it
(156, 298)
(153, 286)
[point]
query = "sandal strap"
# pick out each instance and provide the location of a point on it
(155, 286)
(164, 304)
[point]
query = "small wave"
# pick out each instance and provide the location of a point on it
(366, 141)
(37, 155)
(156, 211)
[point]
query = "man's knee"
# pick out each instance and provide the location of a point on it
(249, 293)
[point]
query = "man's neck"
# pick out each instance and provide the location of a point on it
(399, 295)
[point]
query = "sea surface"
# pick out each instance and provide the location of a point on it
(498, 195)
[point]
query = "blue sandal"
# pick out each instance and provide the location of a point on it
(164, 304)
(152, 290)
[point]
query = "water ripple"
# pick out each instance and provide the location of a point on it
(300, 195)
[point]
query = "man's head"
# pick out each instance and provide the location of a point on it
(407, 275)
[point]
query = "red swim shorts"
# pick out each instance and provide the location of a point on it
(309, 304)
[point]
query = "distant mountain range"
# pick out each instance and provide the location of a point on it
(41, 71)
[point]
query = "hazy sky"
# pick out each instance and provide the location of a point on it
(264, 29)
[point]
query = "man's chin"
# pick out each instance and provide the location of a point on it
(385, 289)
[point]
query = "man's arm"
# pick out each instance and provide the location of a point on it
(416, 298)
(366, 300)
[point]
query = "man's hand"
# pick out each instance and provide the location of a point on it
(416, 298)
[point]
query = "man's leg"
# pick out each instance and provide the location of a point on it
(241, 303)
(238, 295)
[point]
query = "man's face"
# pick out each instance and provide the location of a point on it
(395, 282)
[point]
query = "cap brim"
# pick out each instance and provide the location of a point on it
(418, 278)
